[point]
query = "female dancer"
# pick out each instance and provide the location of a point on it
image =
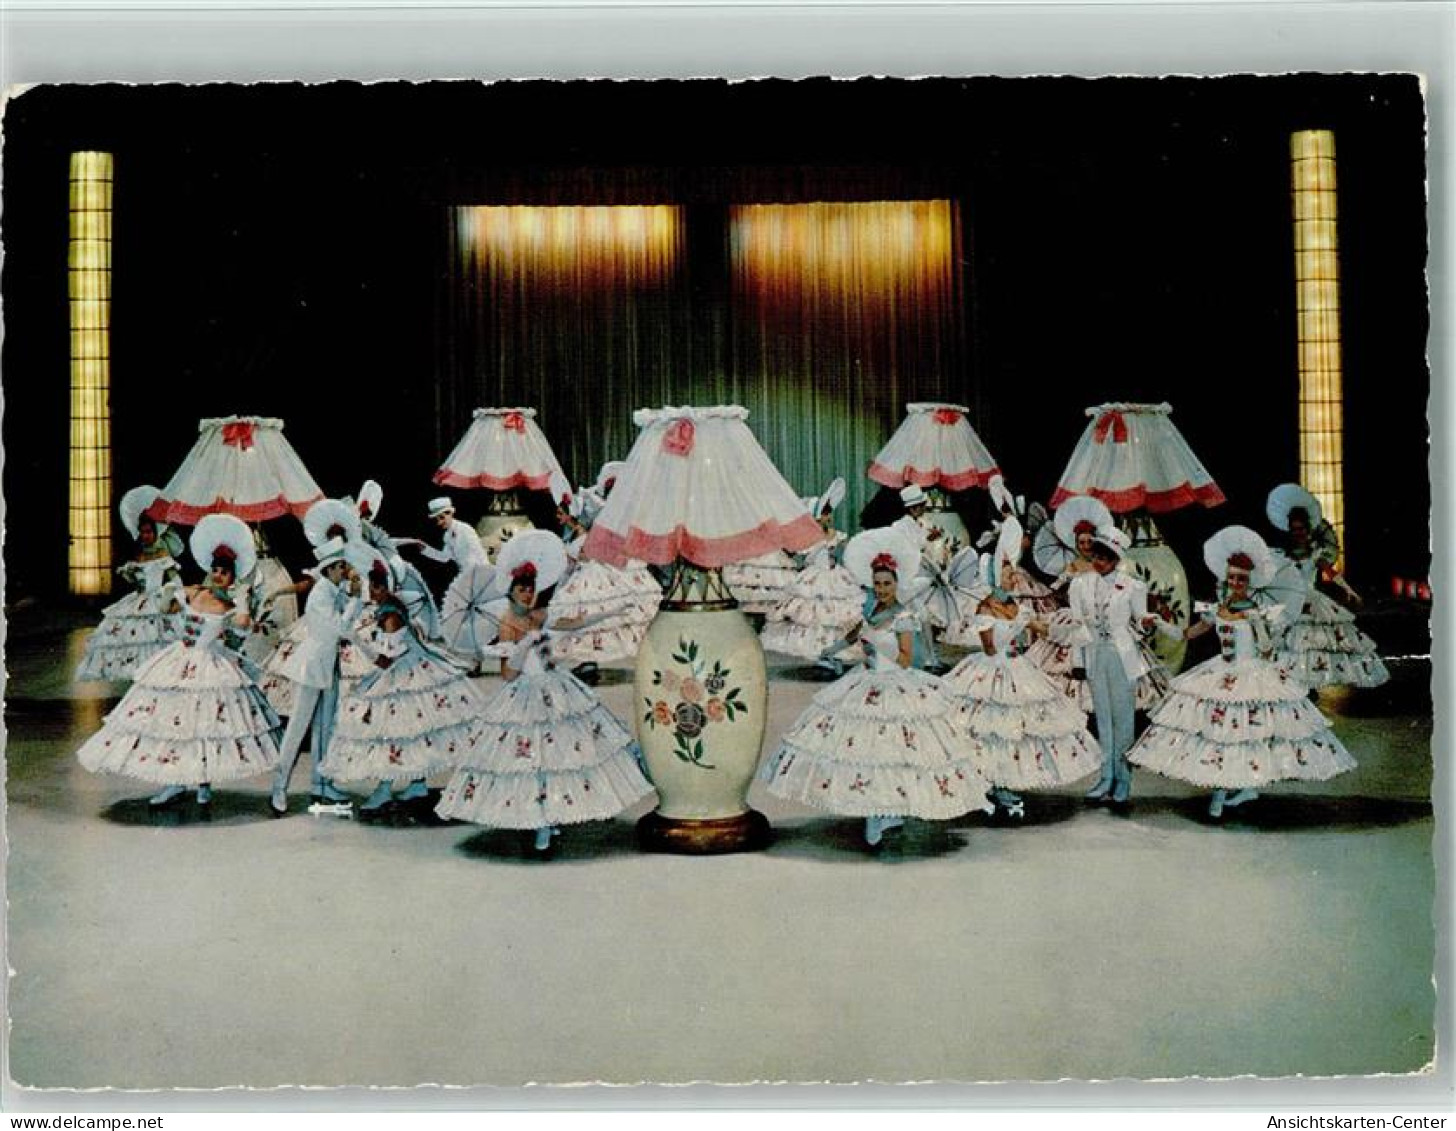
(823, 603)
(548, 753)
(416, 714)
(1026, 733)
(882, 742)
(1322, 645)
(194, 716)
(1239, 722)
(137, 627)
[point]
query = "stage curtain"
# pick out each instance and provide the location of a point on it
(822, 319)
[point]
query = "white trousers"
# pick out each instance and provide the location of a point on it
(315, 708)
(1113, 704)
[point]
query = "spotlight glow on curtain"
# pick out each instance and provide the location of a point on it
(1317, 285)
(89, 285)
(580, 312)
(842, 312)
(822, 319)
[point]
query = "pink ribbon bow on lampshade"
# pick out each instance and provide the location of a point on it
(946, 416)
(1113, 422)
(238, 434)
(515, 422)
(678, 439)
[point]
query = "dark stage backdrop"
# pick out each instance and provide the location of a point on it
(290, 251)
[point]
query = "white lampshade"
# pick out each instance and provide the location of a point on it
(503, 450)
(934, 446)
(698, 486)
(1132, 457)
(240, 465)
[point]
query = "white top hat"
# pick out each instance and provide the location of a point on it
(327, 553)
(1111, 538)
(439, 506)
(913, 496)
(372, 496)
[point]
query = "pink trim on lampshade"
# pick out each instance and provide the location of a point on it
(186, 514)
(935, 478)
(1140, 498)
(710, 553)
(494, 482)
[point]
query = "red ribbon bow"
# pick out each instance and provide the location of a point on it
(883, 561)
(946, 416)
(238, 434)
(515, 422)
(1114, 422)
(678, 440)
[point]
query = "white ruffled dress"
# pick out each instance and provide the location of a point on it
(548, 753)
(192, 715)
(1026, 733)
(964, 630)
(819, 607)
(760, 584)
(133, 629)
(1239, 722)
(1323, 646)
(418, 716)
(881, 741)
(619, 603)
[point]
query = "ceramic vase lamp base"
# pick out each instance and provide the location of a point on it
(1151, 559)
(702, 701)
(942, 515)
(503, 518)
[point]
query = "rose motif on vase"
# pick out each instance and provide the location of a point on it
(702, 699)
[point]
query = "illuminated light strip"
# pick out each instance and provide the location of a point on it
(89, 290)
(1317, 296)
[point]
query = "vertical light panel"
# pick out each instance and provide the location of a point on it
(89, 260)
(1317, 288)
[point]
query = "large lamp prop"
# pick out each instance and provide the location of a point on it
(936, 448)
(698, 493)
(503, 451)
(1135, 461)
(243, 466)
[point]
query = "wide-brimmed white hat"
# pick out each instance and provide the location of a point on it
(1232, 540)
(608, 474)
(371, 495)
(832, 497)
(1078, 511)
(1289, 497)
(913, 496)
(540, 550)
(880, 549)
(1111, 538)
(133, 504)
(364, 557)
(439, 506)
(330, 514)
(224, 535)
